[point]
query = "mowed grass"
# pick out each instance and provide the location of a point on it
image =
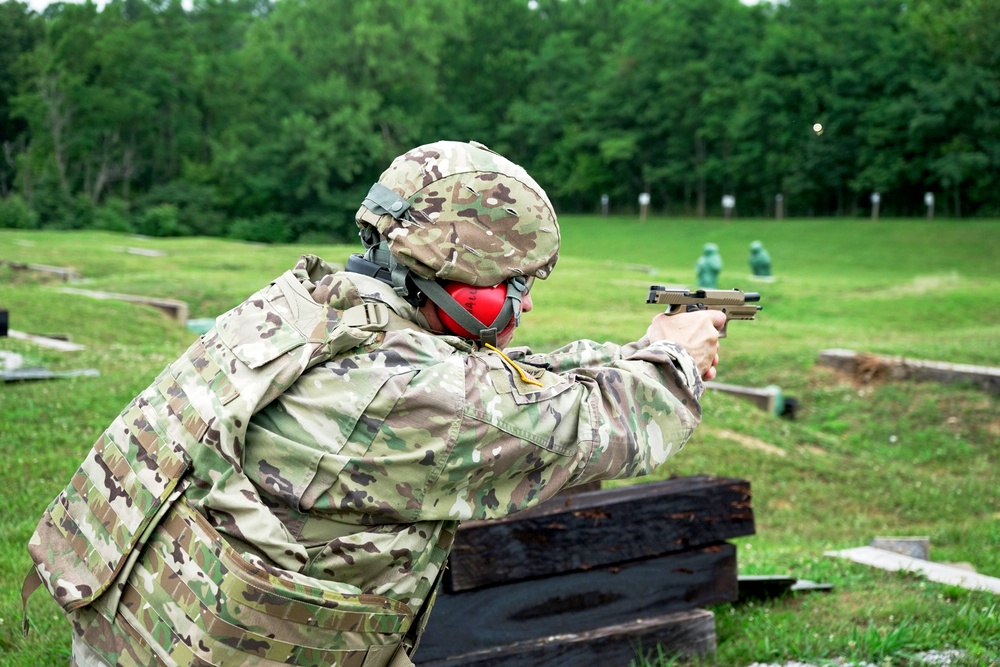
(859, 461)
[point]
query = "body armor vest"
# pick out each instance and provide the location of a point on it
(126, 548)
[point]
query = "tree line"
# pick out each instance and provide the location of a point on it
(269, 120)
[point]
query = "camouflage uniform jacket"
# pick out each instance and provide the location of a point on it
(338, 500)
(372, 458)
(130, 547)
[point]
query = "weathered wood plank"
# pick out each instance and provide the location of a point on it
(45, 341)
(174, 308)
(768, 399)
(939, 572)
(686, 633)
(596, 528)
(867, 367)
(63, 273)
(41, 373)
(580, 601)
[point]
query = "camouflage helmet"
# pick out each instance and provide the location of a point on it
(461, 212)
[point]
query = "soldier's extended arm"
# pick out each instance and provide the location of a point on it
(731, 302)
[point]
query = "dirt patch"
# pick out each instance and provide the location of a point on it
(869, 368)
(749, 442)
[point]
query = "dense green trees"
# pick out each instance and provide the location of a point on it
(268, 120)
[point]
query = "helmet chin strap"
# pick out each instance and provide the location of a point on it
(379, 263)
(511, 310)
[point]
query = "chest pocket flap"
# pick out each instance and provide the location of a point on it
(534, 405)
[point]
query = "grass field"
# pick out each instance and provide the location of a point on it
(859, 461)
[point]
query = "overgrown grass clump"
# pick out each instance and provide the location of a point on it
(861, 459)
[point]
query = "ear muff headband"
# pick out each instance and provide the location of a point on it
(467, 320)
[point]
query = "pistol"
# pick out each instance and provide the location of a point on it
(731, 302)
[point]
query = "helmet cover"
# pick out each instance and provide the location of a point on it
(474, 217)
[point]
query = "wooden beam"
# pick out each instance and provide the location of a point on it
(868, 367)
(939, 572)
(174, 308)
(45, 341)
(768, 399)
(686, 633)
(60, 272)
(580, 601)
(597, 528)
(40, 373)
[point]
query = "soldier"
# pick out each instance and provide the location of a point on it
(288, 490)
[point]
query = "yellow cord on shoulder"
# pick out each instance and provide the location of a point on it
(524, 376)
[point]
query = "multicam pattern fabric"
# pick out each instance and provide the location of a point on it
(315, 532)
(370, 453)
(191, 599)
(136, 569)
(475, 217)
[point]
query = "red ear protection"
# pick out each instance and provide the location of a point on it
(484, 303)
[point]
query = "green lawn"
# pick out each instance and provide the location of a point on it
(859, 461)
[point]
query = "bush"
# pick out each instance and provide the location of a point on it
(271, 227)
(51, 205)
(81, 214)
(15, 213)
(113, 216)
(197, 206)
(160, 220)
(57, 211)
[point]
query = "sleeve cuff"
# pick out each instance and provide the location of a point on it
(663, 352)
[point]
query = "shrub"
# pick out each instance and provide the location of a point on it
(15, 213)
(160, 220)
(271, 227)
(113, 216)
(81, 213)
(197, 206)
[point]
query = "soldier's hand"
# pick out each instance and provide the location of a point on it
(697, 331)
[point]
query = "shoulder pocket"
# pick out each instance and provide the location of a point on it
(258, 330)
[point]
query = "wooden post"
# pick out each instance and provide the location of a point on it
(779, 206)
(876, 199)
(728, 204)
(929, 203)
(643, 205)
